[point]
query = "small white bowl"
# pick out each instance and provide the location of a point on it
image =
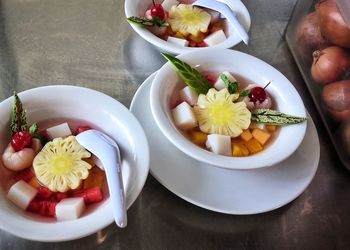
(254, 70)
(139, 7)
(102, 112)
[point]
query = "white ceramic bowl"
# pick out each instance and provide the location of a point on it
(256, 71)
(99, 110)
(139, 7)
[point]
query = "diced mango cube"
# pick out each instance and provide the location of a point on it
(261, 135)
(246, 135)
(198, 38)
(271, 128)
(96, 178)
(254, 146)
(239, 150)
(197, 137)
(180, 35)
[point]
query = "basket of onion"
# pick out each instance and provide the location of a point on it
(318, 36)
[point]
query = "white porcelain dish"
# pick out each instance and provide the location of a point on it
(223, 190)
(100, 110)
(254, 70)
(139, 7)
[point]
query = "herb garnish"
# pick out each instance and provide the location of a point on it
(274, 117)
(144, 22)
(191, 76)
(244, 93)
(18, 116)
(231, 86)
(33, 130)
(19, 119)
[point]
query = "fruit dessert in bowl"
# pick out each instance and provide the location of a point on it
(178, 26)
(227, 109)
(52, 188)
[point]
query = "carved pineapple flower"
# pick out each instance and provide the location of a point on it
(59, 165)
(217, 113)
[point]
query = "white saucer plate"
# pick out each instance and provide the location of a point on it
(224, 190)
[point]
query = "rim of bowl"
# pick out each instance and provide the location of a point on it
(86, 225)
(259, 160)
(173, 48)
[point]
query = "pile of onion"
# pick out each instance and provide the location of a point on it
(332, 24)
(330, 64)
(336, 98)
(308, 35)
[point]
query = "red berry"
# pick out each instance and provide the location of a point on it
(20, 140)
(43, 193)
(211, 78)
(44, 208)
(82, 129)
(60, 196)
(47, 208)
(158, 11)
(90, 195)
(26, 175)
(34, 206)
(257, 94)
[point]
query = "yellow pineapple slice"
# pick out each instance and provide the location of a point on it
(261, 135)
(188, 19)
(59, 165)
(218, 114)
(254, 146)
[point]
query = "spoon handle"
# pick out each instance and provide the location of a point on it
(228, 13)
(116, 190)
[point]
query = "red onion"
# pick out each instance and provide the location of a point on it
(308, 35)
(332, 24)
(330, 64)
(336, 96)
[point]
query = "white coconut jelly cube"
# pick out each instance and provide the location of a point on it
(184, 116)
(219, 144)
(21, 193)
(178, 41)
(215, 38)
(188, 95)
(167, 4)
(70, 208)
(61, 130)
(219, 84)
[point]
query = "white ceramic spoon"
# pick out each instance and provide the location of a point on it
(107, 151)
(221, 7)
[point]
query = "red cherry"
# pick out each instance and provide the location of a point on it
(158, 11)
(257, 94)
(20, 140)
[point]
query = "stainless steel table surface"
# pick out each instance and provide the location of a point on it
(89, 43)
